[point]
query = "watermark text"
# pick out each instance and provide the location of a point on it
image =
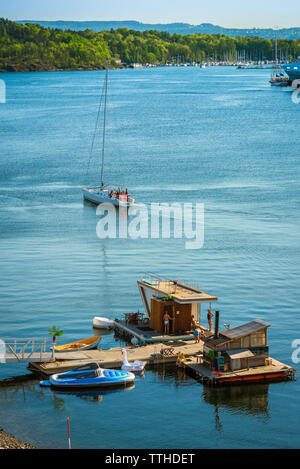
(154, 221)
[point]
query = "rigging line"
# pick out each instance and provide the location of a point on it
(95, 130)
(104, 123)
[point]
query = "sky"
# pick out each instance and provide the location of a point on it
(227, 13)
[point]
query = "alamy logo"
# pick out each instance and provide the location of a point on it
(2, 351)
(2, 92)
(153, 221)
(296, 352)
(296, 92)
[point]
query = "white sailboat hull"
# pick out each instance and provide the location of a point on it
(98, 196)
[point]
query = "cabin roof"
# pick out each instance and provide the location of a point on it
(181, 291)
(246, 329)
(239, 353)
(216, 341)
(236, 333)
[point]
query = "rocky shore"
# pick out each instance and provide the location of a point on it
(9, 442)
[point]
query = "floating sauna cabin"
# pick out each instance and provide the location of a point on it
(175, 297)
(239, 348)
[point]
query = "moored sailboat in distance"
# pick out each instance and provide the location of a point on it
(278, 77)
(101, 194)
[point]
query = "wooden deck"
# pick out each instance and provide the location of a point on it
(145, 334)
(161, 353)
(181, 293)
(112, 358)
(273, 372)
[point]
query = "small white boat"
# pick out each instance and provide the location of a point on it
(103, 323)
(136, 366)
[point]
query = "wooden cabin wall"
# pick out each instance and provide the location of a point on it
(256, 339)
(182, 320)
(258, 360)
(156, 315)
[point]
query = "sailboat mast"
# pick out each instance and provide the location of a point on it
(104, 123)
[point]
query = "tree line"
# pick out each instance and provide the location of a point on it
(33, 47)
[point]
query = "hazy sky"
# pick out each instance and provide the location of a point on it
(237, 13)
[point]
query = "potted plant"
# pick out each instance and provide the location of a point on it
(55, 332)
(168, 297)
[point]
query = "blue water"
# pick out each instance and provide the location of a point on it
(219, 136)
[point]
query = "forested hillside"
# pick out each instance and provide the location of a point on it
(179, 28)
(33, 47)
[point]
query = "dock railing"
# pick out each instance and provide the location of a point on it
(155, 280)
(33, 349)
(170, 285)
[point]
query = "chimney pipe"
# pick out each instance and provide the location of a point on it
(217, 324)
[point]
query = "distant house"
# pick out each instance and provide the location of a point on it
(117, 60)
(239, 348)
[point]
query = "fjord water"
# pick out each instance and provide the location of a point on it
(219, 136)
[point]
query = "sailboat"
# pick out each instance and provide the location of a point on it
(102, 194)
(278, 78)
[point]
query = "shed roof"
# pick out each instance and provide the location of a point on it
(246, 329)
(216, 341)
(240, 353)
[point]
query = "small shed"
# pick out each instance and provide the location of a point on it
(242, 347)
(239, 358)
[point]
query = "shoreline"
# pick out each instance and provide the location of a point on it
(9, 442)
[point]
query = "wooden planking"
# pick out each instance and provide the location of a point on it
(34, 357)
(275, 370)
(113, 358)
(149, 336)
(183, 293)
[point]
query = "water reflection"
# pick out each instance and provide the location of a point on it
(170, 374)
(92, 395)
(19, 388)
(14, 389)
(250, 400)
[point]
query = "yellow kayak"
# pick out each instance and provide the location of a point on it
(85, 344)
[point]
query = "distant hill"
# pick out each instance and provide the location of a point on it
(179, 28)
(32, 47)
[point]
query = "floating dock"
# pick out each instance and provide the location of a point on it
(168, 333)
(153, 354)
(145, 334)
(187, 355)
(274, 371)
